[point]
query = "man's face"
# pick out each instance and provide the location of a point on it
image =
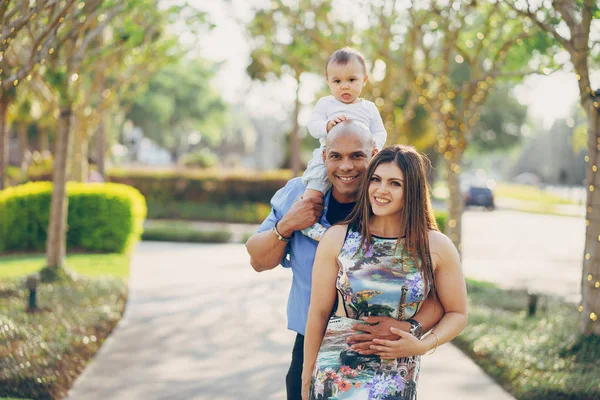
(346, 160)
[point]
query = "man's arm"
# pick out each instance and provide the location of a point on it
(428, 316)
(266, 250)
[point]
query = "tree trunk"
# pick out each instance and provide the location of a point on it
(56, 247)
(44, 143)
(295, 149)
(455, 201)
(590, 285)
(23, 149)
(79, 161)
(3, 143)
(100, 148)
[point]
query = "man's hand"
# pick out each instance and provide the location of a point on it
(333, 122)
(302, 214)
(379, 327)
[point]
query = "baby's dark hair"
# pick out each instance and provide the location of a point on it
(343, 56)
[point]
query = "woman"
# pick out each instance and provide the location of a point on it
(384, 260)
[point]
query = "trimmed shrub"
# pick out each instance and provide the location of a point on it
(101, 217)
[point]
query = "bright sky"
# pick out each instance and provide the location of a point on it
(548, 97)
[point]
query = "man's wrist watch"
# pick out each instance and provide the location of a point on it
(415, 328)
(279, 237)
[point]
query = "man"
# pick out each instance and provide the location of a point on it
(349, 148)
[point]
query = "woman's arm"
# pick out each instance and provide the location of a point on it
(452, 293)
(322, 298)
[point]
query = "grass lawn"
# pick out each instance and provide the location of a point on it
(513, 191)
(42, 353)
(91, 265)
(539, 358)
(528, 193)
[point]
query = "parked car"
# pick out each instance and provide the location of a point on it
(479, 196)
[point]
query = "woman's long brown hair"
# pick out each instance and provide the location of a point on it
(417, 217)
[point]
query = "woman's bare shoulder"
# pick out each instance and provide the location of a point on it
(336, 232)
(440, 246)
(334, 236)
(437, 238)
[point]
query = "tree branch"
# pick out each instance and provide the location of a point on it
(586, 15)
(544, 26)
(96, 31)
(567, 13)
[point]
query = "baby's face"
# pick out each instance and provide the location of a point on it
(346, 81)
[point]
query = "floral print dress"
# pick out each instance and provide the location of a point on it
(382, 281)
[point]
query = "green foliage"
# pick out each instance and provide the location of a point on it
(441, 218)
(290, 40)
(539, 358)
(203, 158)
(501, 119)
(42, 353)
(179, 100)
(182, 232)
(102, 217)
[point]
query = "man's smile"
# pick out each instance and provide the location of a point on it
(347, 178)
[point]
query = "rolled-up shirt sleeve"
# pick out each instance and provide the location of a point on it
(281, 202)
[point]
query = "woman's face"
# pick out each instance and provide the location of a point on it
(386, 190)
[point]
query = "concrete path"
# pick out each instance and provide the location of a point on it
(201, 324)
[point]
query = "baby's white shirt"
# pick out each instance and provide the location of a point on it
(364, 111)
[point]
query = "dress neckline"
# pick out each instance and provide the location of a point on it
(384, 237)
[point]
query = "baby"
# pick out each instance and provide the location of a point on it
(346, 75)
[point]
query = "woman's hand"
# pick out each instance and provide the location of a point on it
(305, 386)
(407, 346)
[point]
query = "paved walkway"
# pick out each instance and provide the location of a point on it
(201, 324)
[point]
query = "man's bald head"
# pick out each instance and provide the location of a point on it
(349, 148)
(351, 128)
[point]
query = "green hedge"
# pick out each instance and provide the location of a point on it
(182, 232)
(101, 217)
(243, 213)
(203, 186)
(210, 195)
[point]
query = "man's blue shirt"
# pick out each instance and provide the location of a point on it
(299, 254)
